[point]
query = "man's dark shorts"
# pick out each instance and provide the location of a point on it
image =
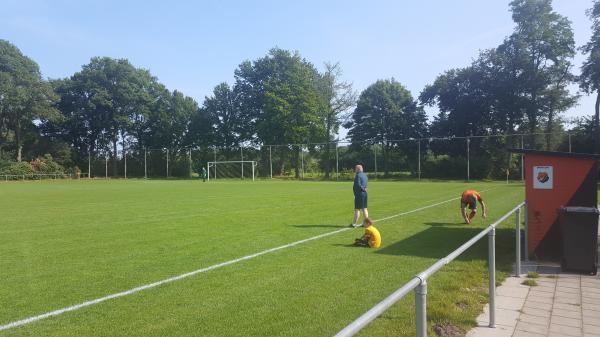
(360, 200)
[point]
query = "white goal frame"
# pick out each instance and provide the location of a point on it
(214, 164)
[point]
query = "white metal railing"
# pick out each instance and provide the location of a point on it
(419, 282)
(35, 176)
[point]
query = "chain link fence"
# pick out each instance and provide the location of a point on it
(464, 158)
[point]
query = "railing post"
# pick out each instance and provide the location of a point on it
(492, 272)
(518, 243)
(526, 234)
(421, 308)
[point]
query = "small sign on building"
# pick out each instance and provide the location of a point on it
(542, 177)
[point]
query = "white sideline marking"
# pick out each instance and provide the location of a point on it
(198, 271)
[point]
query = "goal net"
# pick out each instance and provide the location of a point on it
(242, 169)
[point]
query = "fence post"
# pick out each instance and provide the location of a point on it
(242, 156)
(419, 158)
(145, 164)
(569, 142)
(270, 162)
(215, 160)
(526, 234)
(468, 160)
(190, 160)
(492, 274)
(302, 155)
(522, 168)
(167, 163)
(375, 154)
(125, 159)
(421, 309)
(89, 165)
(105, 167)
(518, 243)
(252, 169)
(337, 162)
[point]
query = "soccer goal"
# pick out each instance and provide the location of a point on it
(240, 169)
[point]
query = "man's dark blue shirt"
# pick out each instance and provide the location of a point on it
(360, 183)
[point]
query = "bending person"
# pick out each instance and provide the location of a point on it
(469, 198)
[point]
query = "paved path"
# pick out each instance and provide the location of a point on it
(561, 305)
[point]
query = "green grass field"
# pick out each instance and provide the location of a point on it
(66, 242)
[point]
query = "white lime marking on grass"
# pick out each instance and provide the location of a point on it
(198, 271)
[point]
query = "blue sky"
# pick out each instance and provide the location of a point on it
(192, 46)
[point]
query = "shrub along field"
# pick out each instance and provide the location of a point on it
(66, 242)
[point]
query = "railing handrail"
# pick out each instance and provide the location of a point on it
(354, 327)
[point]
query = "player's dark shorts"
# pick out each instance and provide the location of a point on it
(360, 200)
(473, 205)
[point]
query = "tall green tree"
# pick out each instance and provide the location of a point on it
(589, 80)
(339, 98)
(24, 96)
(543, 49)
(385, 113)
(281, 93)
(107, 101)
(232, 126)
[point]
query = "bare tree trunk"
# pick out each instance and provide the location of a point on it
(386, 154)
(18, 141)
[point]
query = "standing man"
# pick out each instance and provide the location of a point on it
(204, 174)
(470, 198)
(360, 195)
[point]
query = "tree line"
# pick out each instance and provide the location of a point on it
(521, 86)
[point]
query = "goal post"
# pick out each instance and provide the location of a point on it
(233, 169)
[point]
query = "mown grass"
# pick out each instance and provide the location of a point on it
(62, 243)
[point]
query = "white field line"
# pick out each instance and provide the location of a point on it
(198, 271)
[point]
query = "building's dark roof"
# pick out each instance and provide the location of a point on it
(557, 154)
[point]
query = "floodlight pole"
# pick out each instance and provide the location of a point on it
(569, 142)
(253, 164)
(215, 160)
(242, 155)
(270, 162)
(468, 160)
(190, 160)
(337, 162)
(105, 167)
(167, 163)
(145, 165)
(419, 158)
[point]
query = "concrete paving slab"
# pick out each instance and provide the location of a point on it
(572, 322)
(566, 330)
(532, 303)
(535, 311)
(588, 328)
(533, 328)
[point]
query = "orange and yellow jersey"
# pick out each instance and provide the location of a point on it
(470, 193)
(374, 236)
